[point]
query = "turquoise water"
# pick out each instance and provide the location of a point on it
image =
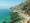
(3, 12)
(4, 16)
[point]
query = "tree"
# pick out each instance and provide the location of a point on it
(15, 17)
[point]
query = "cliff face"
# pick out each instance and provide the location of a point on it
(23, 10)
(28, 21)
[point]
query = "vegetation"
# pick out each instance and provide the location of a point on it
(15, 17)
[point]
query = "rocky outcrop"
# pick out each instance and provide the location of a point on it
(23, 10)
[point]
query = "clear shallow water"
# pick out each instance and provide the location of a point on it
(4, 15)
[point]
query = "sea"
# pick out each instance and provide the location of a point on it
(4, 15)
